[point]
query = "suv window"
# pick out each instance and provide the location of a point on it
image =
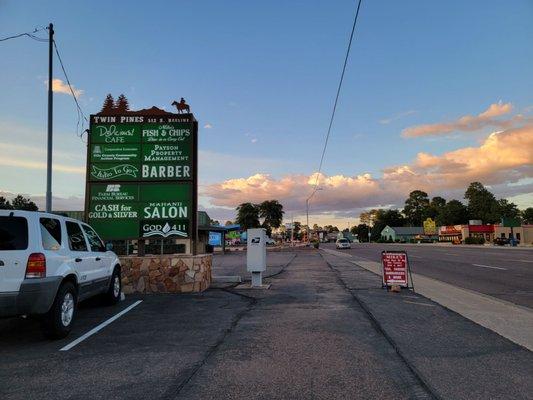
(13, 233)
(94, 241)
(50, 233)
(76, 240)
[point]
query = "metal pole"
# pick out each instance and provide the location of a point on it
(307, 213)
(50, 116)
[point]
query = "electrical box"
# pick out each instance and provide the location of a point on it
(256, 250)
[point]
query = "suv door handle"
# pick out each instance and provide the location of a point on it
(78, 260)
(98, 258)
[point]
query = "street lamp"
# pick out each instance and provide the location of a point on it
(307, 210)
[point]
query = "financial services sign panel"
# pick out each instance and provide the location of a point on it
(141, 178)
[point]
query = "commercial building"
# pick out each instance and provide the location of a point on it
(402, 233)
(523, 233)
(458, 233)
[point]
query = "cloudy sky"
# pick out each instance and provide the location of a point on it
(437, 94)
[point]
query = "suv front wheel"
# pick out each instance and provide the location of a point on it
(58, 321)
(112, 296)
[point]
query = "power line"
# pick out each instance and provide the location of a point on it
(336, 98)
(81, 114)
(27, 34)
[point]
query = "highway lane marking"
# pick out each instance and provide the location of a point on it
(526, 261)
(452, 254)
(99, 327)
(489, 266)
(411, 256)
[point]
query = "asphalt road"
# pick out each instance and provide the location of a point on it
(504, 273)
(324, 330)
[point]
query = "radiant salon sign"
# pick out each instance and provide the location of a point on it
(140, 175)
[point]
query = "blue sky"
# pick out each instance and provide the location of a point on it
(263, 75)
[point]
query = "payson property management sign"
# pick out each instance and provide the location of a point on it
(141, 177)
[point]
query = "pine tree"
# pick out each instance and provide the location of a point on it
(122, 104)
(109, 104)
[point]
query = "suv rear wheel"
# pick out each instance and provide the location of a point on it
(112, 295)
(58, 321)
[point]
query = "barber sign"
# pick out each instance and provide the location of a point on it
(395, 268)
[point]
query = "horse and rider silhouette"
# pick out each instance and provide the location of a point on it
(182, 106)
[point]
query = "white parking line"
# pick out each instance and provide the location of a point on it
(97, 328)
(489, 266)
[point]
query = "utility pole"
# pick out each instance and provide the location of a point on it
(307, 210)
(50, 116)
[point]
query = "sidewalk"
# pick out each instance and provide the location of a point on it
(512, 321)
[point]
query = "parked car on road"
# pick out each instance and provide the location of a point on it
(500, 241)
(343, 244)
(48, 263)
(270, 241)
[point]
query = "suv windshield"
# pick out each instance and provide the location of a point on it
(13, 233)
(343, 240)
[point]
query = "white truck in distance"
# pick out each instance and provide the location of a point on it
(48, 263)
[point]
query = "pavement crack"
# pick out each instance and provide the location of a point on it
(214, 348)
(418, 387)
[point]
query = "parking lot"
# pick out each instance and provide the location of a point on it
(324, 330)
(147, 352)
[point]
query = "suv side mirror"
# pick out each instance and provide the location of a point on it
(109, 246)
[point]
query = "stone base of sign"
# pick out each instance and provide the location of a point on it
(173, 273)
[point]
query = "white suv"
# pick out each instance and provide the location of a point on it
(48, 263)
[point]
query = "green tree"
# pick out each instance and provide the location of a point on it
(248, 216)
(506, 209)
(109, 104)
(297, 229)
(228, 223)
(481, 203)
(453, 213)
(383, 218)
(361, 231)
(122, 105)
(435, 206)
(416, 207)
(272, 212)
(368, 217)
(527, 215)
(5, 204)
(22, 203)
(330, 228)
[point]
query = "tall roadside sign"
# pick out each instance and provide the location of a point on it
(142, 176)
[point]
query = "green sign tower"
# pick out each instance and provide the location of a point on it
(142, 176)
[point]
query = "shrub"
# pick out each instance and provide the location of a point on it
(474, 240)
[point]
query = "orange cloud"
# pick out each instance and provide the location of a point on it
(467, 123)
(58, 86)
(502, 158)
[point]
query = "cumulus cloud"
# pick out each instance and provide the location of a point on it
(208, 126)
(468, 123)
(503, 157)
(58, 86)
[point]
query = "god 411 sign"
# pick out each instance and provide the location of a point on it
(141, 177)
